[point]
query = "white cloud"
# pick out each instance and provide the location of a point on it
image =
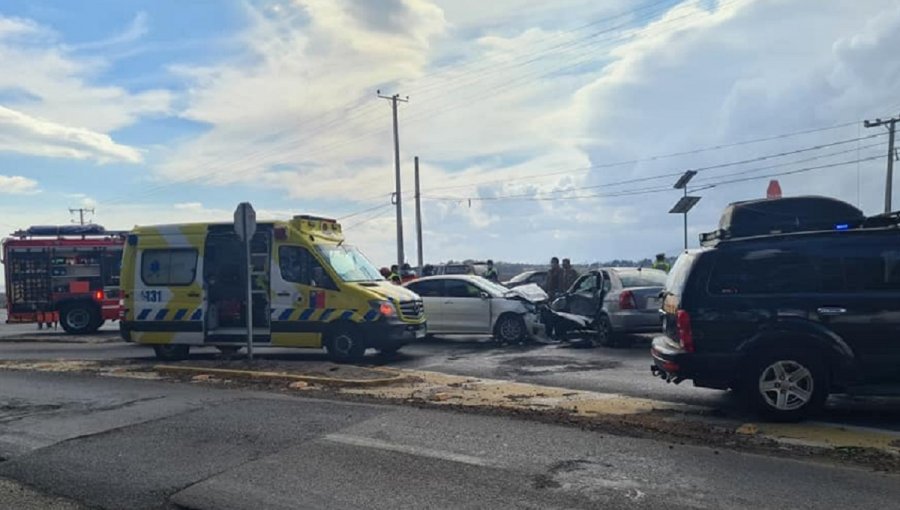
(17, 185)
(135, 30)
(57, 84)
(30, 135)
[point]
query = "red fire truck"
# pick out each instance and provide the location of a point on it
(67, 275)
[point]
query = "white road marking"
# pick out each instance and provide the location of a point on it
(367, 442)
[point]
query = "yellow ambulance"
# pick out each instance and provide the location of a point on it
(186, 285)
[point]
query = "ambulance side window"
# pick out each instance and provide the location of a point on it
(297, 265)
(176, 266)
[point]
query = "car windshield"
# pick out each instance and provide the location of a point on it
(642, 278)
(349, 263)
(521, 277)
(494, 288)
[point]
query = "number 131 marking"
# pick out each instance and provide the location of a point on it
(153, 296)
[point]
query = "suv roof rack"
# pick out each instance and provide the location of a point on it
(752, 218)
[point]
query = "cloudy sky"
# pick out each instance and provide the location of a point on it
(543, 128)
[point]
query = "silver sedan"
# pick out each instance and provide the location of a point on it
(614, 301)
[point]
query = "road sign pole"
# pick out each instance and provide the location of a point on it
(245, 227)
(247, 237)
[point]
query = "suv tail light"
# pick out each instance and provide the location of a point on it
(626, 300)
(685, 334)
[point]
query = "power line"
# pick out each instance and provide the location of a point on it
(376, 216)
(654, 189)
(658, 157)
(351, 215)
(697, 169)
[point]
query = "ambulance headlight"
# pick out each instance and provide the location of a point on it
(385, 308)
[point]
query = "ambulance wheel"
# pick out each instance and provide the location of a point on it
(171, 352)
(79, 318)
(345, 344)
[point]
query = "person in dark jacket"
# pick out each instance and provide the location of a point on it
(569, 275)
(553, 285)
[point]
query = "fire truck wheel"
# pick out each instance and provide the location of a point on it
(79, 318)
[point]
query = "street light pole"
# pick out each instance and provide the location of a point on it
(686, 203)
(685, 221)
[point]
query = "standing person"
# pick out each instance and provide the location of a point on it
(569, 275)
(491, 273)
(553, 288)
(395, 274)
(553, 283)
(661, 263)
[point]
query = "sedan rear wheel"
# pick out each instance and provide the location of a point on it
(604, 335)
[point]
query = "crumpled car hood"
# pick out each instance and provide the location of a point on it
(532, 293)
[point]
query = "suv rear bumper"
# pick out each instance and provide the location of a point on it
(672, 363)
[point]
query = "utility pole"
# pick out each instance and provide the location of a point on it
(394, 100)
(889, 180)
(419, 217)
(81, 211)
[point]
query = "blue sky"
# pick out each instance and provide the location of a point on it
(165, 111)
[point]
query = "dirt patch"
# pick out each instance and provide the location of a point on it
(309, 368)
(61, 337)
(532, 366)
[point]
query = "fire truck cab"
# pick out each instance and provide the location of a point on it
(67, 275)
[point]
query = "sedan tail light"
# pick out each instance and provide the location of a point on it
(626, 300)
(685, 333)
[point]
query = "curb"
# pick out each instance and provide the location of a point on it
(34, 340)
(281, 376)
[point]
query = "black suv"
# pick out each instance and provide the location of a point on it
(787, 319)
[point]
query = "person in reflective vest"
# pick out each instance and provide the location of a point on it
(661, 263)
(395, 275)
(491, 273)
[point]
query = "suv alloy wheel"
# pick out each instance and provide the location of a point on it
(786, 385)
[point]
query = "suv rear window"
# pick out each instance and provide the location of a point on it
(679, 273)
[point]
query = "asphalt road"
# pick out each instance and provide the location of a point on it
(124, 443)
(612, 370)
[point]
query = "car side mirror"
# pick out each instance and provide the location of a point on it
(484, 295)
